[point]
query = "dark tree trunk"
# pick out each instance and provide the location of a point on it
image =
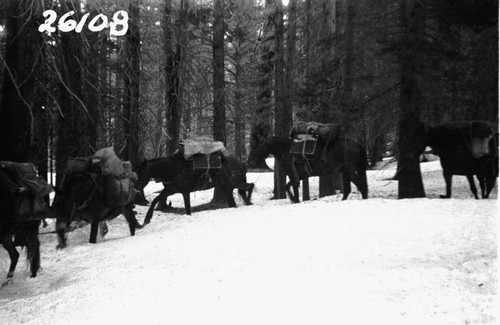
(172, 50)
(327, 184)
(307, 34)
(133, 74)
(281, 117)
(21, 114)
(219, 121)
(239, 114)
(261, 119)
(409, 176)
(351, 114)
(74, 124)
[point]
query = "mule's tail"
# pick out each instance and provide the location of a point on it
(33, 256)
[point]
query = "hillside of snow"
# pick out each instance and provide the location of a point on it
(325, 261)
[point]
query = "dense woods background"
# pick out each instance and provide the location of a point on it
(236, 70)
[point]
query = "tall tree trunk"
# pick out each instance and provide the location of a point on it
(307, 34)
(328, 183)
(290, 66)
(409, 176)
(239, 114)
(350, 113)
(261, 119)
(219, 121)
(219, 106)
(133, 76)
(74, 123)
(91, 91)
(20, 107)
(281, 120)
(172, 50)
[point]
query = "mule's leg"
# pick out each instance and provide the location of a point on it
(447, 180)
(247, 198)
(8, 244)
(187, 202)
(346, 183)
(149, 214)
(243, 195)
(482, 184)
(61, 227)
(228, 192)
(251, 187)
(490, 184)
(94, 228)
(362, 183)
(294, 197)
(472, 185)
(163, 204)
(129, 214)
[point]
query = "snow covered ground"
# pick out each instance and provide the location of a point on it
(375, 261)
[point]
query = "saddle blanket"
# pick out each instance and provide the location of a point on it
(202, 145)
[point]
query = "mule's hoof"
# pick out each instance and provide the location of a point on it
(444, 196)
(60, 246)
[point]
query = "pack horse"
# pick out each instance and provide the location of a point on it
(95, 189)
(316, 149)
(23, 204)
(466, 148)
(199, 164)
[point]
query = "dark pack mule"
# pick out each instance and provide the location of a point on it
(22, 234)
(341, 154)
(23, 204)
(468, 149)
(81, 197)
(18, 230)
(178, 176)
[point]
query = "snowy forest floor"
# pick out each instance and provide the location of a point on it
(325, 261)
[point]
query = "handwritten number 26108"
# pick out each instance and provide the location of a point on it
(96, 24)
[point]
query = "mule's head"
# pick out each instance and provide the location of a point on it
(142, 172)
(278, 147)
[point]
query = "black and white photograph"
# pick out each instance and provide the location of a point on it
(249, 162)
